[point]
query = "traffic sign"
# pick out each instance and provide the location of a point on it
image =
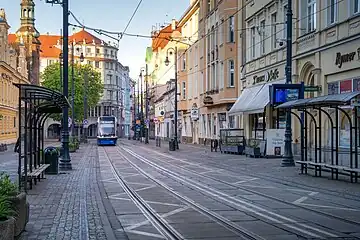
(147, 121)
(85, 122)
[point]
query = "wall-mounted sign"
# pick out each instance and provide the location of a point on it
(281, 93)
(194, 114)
(346, 86)
(267, 77)
(312, 88)
(208, 100)
(346, 57)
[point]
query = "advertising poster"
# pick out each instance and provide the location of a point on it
(275, 142)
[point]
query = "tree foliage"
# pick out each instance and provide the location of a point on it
(51, 79)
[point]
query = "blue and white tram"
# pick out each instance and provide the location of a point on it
(106, 131)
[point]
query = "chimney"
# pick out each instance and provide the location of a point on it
(173, 24)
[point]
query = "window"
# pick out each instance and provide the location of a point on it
(190, 93)
(307, 16)
(252, 43)
(221, 32)
(98, 51)
(213, 77)
(221, 78)
(88, 50)
(273, 30)
(332, 11)
(311, 12)
(108, 79)
(184, 63)
(231, 73)
(231, 122)
(231, 29)
(183, 90)
(107, 65)
(262, 36)
(355, 6)
(97, 64)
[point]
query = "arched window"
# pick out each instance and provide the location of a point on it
(25, 14)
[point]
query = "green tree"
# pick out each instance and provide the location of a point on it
(51, 79)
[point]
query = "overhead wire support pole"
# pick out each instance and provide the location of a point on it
(288, 158)
(147, 105)
(65, 161)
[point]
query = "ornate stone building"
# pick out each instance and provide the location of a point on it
(13, 69)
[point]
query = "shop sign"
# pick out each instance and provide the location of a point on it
(267, 77)
(194, 114)
(333, 88)
(346, 86)
(275, 142)
(346, 57)
(356, 84)
(312, 88)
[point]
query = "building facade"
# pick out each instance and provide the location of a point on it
(326, 56)
(218, 66)
(103, 57)
(13, 69)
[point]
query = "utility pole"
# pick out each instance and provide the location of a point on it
(175, 98)
(288, 158)
(134, 112)
(72, 91)
(65, 162)
(85, 104)
(147, 106)
(138, 108)
(142, 109)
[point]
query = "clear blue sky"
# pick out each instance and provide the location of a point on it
(111, 15)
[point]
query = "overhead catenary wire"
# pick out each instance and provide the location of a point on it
(104, 32)
(257, 43)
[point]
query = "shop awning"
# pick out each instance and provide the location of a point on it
(253, 99)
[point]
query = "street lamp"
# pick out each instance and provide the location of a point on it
(288, 158)
(142, 104)
(65, 162)
(167, 62)
(82, 58)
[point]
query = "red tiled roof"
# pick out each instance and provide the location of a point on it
(49, 42)
(11, 38)
(160, 40)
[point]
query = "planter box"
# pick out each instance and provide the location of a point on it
(232, 149)
(7, 229)
(253, 152)
(22, 209)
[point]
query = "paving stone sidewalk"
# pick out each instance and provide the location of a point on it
(72, 205)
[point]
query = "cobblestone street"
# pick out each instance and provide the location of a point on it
(137, 191)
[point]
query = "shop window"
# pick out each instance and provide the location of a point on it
(258, 125)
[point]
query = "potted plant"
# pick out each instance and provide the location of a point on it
(72, 147)
(18, 202)
(253, 149)
(7, 222)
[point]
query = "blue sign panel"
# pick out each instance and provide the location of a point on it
(281, 93)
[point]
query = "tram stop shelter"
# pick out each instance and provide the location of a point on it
(328, 106)
(36, 104)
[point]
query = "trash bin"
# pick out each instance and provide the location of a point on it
(51, 155)
(172, 145)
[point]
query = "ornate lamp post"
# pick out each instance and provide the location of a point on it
(167, 62)
(288, 158)
(82, 58)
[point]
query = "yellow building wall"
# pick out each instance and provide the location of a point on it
(9, 104)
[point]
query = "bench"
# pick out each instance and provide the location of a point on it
(303, 166)
(35, 174)
(352, 171)
(318, 167)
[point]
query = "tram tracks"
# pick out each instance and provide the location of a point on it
(260, 193)
(159, 222)
(239, 203)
